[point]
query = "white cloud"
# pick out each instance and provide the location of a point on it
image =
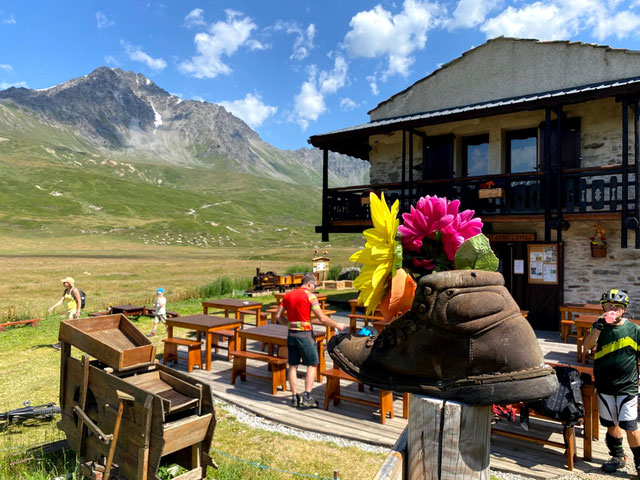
(103, 21)
(251, 109)
(5, 85)
(194, 18)
(198, 98)
(10, 21)
(222, 38)
(347, 104)
(564, 19)
(111, 60)
(137, 55)
(470, 13)
(621, 24)
(373, 84)
(376, 33)
(331, 82)
(303, 42)
(309, 103)
(6, 67)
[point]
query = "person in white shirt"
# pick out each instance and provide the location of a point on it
(160, 314)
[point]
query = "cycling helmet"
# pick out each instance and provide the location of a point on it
(615, 296)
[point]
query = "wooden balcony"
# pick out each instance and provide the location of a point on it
(595, 193)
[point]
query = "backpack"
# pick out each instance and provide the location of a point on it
(83, 297)
(566, 403)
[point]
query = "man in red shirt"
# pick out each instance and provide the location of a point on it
(298, 304)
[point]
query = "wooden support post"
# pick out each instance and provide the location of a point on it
(448, 440)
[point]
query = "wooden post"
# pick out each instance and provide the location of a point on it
(448, 440)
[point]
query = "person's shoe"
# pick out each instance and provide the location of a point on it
(57, 346)
(464, 339)
(614, 464)
(307, 402)
(152, 334)
(295, 400)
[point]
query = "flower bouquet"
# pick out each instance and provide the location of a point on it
(434, 236)
(599, 243)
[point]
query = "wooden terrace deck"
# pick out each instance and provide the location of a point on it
(360, 422)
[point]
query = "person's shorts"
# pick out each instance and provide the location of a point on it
(302, 346)
(620, 410)
(160, 318)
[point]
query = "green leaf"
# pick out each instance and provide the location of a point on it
(476, 254)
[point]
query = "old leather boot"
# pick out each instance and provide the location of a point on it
(463, 339)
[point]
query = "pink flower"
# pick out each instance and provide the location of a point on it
(462, 228)
(426, 264)
(431, 214)
(434, 214)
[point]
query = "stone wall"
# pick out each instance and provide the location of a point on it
(601, 139)
(585, 278)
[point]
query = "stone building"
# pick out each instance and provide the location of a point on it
(539, 138)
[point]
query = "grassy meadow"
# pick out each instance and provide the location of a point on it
(113, 270)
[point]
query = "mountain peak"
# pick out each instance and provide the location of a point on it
(124, 112)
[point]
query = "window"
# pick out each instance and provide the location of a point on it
(475, 155)
(522, 150)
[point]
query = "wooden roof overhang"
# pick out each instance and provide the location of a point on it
(354, 141)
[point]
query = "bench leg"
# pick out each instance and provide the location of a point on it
(194, 359)
(232, 346)
(386, 405)
(570, 441)
(170, 353)
(330, 391)
(278, 378)
(239, 369)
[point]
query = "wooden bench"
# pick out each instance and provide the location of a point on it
(590, 423)
(332, 392)
(278, 366)
(33, 322)
(194, 351)
(150, 312)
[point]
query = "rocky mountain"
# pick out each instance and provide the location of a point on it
(126, 115)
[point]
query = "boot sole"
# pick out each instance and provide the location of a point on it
(500, 389)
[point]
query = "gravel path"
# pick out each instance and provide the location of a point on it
(264, 424)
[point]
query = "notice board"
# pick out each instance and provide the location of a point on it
(543, 263)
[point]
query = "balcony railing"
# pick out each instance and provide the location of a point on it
(587, 190)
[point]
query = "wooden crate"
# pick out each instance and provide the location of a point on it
(112, 339)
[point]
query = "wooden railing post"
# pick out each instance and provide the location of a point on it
(448, 440)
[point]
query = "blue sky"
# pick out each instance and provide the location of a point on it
(289, 68)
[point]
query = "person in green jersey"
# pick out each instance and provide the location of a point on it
(615, 370)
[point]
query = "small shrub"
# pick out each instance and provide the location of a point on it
(297, 269)
(334, 271)
(223, 286)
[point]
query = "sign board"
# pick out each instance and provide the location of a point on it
(511, 237)
(543, 263)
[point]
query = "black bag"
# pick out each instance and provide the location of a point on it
(83, 297)
(566, 403)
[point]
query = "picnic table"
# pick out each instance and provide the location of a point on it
(567, 312)
(204, 324)
(128, 310)
(235, 305)
(274, 334)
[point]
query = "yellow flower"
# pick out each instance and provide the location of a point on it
(381, 254)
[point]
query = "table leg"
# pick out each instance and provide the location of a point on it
(588, 423)
(322, 365)
(258, 319)
(205, 310)
(170, 331)
(208, 349)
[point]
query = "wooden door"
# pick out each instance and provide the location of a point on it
(544, 300)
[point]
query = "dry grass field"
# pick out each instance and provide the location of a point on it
(113, 271)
